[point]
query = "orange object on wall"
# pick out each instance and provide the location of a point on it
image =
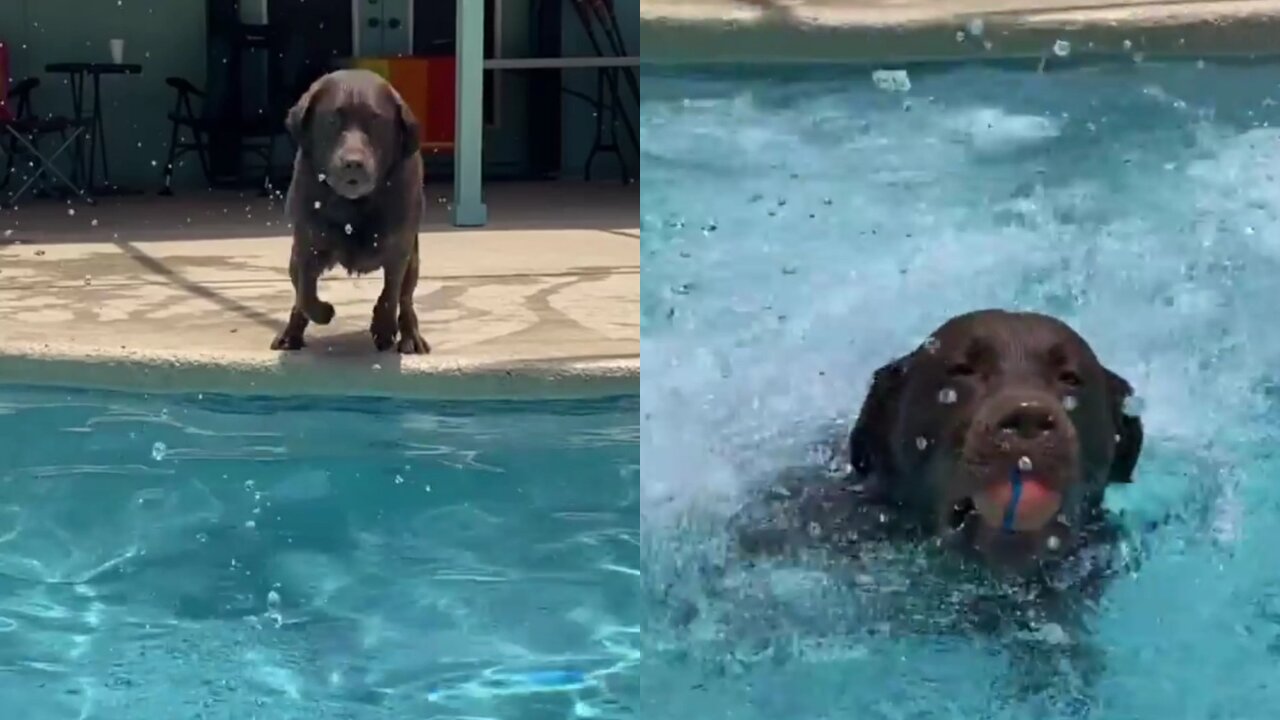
(428, 88)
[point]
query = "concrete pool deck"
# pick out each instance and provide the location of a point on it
(163, 294)
(924, 30)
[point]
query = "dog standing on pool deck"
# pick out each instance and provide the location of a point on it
(998, 436)
(355, 200)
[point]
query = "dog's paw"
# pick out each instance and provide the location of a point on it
(412, 343)
(321, 313)
(382, 341)
(288, 341)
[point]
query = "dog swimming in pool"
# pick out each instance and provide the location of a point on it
(997, 438)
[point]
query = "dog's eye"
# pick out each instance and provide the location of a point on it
(960, 369)
(1070, 378)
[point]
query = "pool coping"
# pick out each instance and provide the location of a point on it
(385, 375)
(719, 31)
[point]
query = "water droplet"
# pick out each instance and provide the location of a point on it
(1138, 57)
(960, 36)
(94, 222)
(1200, 64)
(1062, 48)
(947, 396)
(1127, 45)
(976, 26)
(922, 442)
(273, 601)
(158, 451)
(1070, 402)
(316, 205)
(321, 177)
(710, 228)
(348, 228)
(1053, 543)
(682, 289)
(814, 529)
(931, 344)
(376, 367)
(71, 211)
(8, 233)
(399, 480)
(1024, 464)
(1133, 406)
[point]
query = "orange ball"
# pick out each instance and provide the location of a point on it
(1037, 504)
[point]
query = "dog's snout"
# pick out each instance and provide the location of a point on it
(1029, 421)
(352, 163)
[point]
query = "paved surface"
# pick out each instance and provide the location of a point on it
(187, 294)
(682, 30)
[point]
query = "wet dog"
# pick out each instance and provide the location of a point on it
(355, 200)
(997, 437)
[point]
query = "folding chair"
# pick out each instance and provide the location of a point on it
(598, 15)
(23, 130)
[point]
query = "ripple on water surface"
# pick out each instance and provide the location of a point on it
(228, 557)
(800, 227)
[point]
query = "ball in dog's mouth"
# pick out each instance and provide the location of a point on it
(1025, 502)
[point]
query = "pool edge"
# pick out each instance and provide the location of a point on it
(386, 375)
(722, 31)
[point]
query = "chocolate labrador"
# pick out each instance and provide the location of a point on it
(998, 436)
(355, 201)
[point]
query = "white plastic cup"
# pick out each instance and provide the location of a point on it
(117, 51)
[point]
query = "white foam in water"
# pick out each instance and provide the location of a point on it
(891, 80)
(1149, 225)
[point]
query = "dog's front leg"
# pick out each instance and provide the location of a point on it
(384, 327)
(305, 267)
(411, 340)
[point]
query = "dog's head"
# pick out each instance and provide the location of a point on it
(354, 128)
(1009, 416)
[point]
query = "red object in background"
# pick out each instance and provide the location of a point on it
(442, 78)
(428, 86)
(4, 82)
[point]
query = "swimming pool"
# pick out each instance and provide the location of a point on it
(801, 226)
(226, 557)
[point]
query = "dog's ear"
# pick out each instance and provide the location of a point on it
(298, 120)
(1128, 429)
(410, 131)
(870, 449)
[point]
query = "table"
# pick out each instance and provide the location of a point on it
(77, 75)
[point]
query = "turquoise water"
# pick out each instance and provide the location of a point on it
(800, 227)
(220, 557)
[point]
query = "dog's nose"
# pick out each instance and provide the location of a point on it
(352, 164)
(1029, 421)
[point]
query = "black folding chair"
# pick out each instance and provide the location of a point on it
(599, 21)
(24, 130)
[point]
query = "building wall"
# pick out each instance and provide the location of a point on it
(168, 38)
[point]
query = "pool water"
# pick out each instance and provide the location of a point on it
(800, 227)
(223, 557)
